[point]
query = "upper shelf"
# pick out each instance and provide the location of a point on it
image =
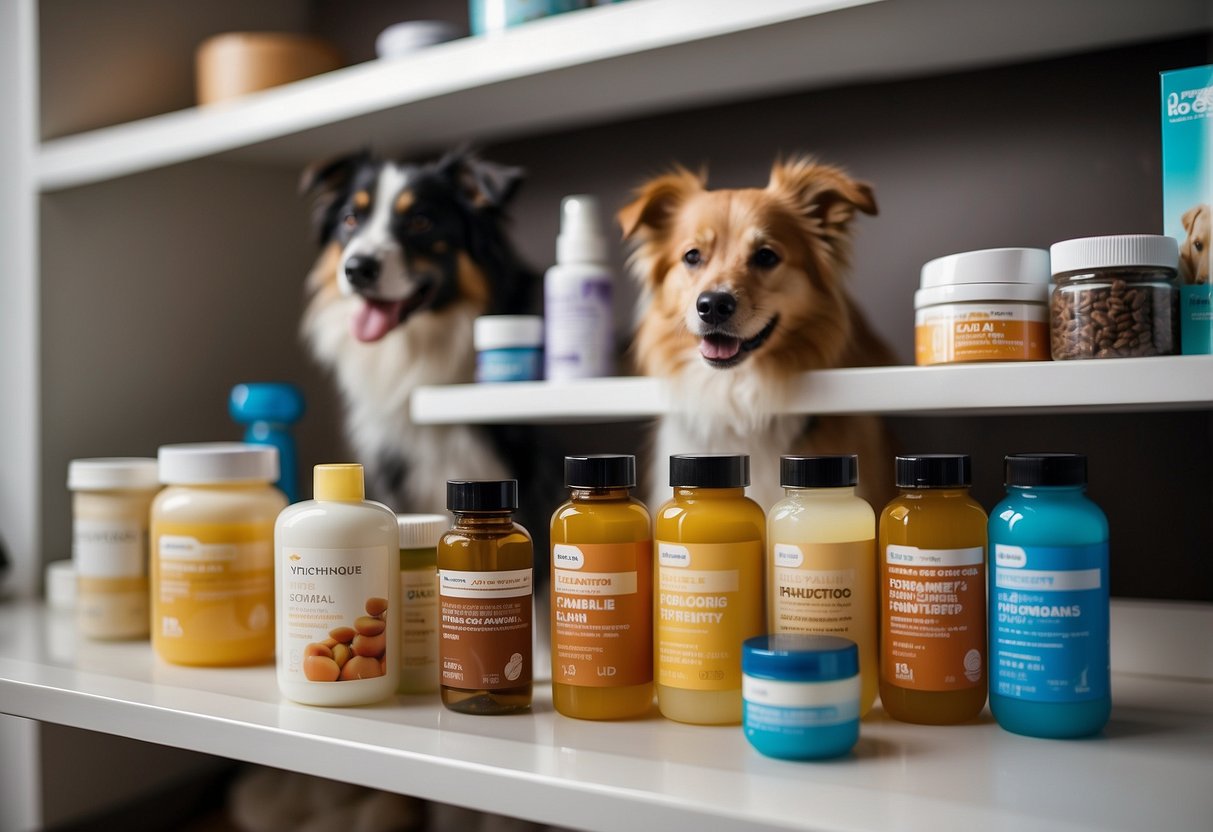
(1125, 384)
(606, 63)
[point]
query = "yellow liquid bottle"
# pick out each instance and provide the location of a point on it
(932, 555)
(821, 559)
(709, 587)
(485, 575)
(602, 593)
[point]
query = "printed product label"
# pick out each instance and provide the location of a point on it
(109, 548)
(1196, 319)
(935, 610)
(809, 597)
(485, 628)
(419, 625)
(215, 592)
(1050, 639)
(709, 602)
(602, 613)
(791, 707)
(335, 613)
(981, 332)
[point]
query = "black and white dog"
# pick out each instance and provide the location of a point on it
(411, 255)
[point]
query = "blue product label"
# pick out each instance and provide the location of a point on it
(1049, 623)
(509, 364)
(794, 721)
(1196, 319)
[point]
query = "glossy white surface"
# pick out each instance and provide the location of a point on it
(1150, 770)
(1137, 384)
(609, 63)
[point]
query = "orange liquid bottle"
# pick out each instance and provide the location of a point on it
(932, 553)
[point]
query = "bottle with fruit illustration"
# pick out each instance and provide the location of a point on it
(337, 594)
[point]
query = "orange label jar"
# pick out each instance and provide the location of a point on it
(983, 306)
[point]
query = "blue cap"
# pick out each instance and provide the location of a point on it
(797, 657)
(266, 402)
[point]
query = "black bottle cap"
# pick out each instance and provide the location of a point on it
(710, 470)
(933, 471)
(482, 495)
(600, 471)
(1046, 469)
(826, 471)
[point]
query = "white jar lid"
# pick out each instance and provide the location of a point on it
(982, 293)
(1121, 251)
(128, 473)
(991, 265)
(213, 462)
(421, 531)
(411, 35)
(494, 332)
(61, 584)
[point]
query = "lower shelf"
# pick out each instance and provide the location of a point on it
(1150, 770)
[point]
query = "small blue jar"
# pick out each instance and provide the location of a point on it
(800, 695)
(1049, 652)
(508, 347)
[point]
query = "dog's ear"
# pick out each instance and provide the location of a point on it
(485, 184)
(657, 202)
(822, 194)
(1189, 217)
(326, 183)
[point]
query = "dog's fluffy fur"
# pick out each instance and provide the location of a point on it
(776, 255)
(1194, 250)
(433, 235)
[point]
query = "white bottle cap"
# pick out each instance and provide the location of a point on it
(1115, 252)
(580, 239)
(496, 332)
(132, 473)
(994, 274)
(214, 462)
(421, 531)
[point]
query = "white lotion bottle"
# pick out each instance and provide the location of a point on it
(337, 590)
(578, 313)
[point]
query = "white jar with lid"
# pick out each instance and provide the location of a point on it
(508, 347)
(111, 500)
(990, 305)
(213, 553)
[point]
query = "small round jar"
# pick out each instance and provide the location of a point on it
(1114, 297)
(508, 347)
(800, 695)
(989, 305)
(111, 499)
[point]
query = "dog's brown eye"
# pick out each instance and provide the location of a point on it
(765, 258)
(692, 257)
(350, 220)
(1198, 245)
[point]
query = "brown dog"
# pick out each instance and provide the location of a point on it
(1194, 251)
(744, 293)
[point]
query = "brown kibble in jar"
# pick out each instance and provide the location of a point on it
(320, 669)
(343, 635)
(361, 667)
(369, 626)
(376, 606)
(342, 654)
(371, 646)
(318, 650)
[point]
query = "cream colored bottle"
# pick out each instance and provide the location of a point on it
(821, 559)
(337, 588)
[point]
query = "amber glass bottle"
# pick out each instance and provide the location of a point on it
(932, 553)
(485, 571)
(602, 593)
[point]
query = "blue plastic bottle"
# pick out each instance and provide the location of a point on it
(1049, 655)
(268, 410)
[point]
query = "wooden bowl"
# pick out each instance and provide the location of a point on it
(236, 63)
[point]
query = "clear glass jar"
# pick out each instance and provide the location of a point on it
(1114, 297)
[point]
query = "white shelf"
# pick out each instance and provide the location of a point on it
(608, 63)
(1127, 384)
(646, 774)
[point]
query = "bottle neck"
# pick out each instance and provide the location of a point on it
(840, 492)
(1049, 490)
(690, 492)
(599, 495)
(922, 493)
(484, 519)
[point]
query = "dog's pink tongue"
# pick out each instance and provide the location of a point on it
(719, 347)
(375, 319)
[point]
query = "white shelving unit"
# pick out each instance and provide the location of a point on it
(1137, 384)
(649, 774)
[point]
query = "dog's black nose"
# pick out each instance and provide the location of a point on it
(716, 307)
(362, 271)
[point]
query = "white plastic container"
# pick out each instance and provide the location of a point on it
(508, 347)
(111, 504)
(990, 305)
(338, 594)
(578, 314)
(419, 535)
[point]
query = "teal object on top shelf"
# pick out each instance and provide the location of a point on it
(268, 410)
(486, 16)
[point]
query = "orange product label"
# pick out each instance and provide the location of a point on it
(709, 601)
(934, 600)
(485, 630)
(975, 332)
(602, 614)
